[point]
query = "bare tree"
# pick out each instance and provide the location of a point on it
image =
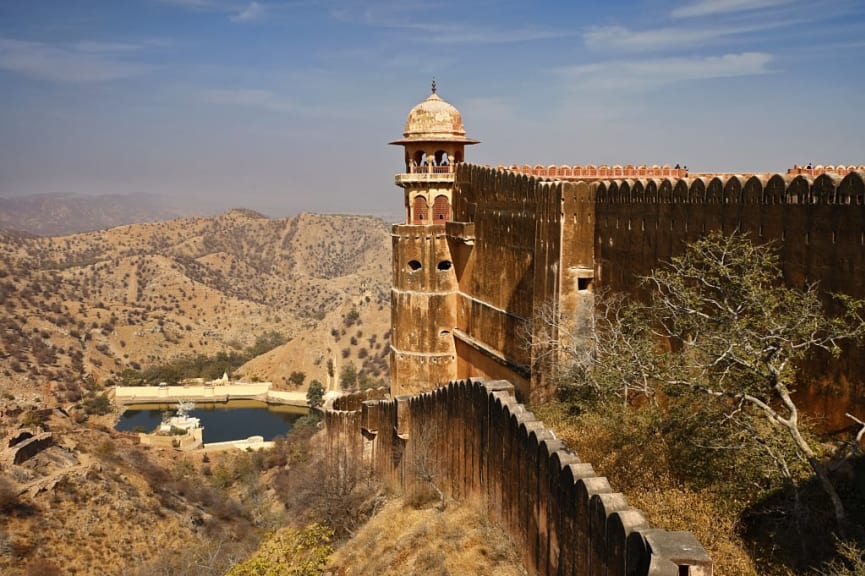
(577, 350)
(426, 465)
(740, 333)
(720, 322)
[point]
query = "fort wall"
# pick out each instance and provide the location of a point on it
(480, 443)
(516, 232)
(816, 224)
(526, 242)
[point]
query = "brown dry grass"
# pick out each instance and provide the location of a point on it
(96, 504)
(638, 472)
(403, 541)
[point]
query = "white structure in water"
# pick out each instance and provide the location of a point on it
(182, 420)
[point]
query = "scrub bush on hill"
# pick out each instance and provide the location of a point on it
(200, 365)
(290, 552)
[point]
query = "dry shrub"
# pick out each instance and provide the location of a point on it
(205, 557)
(8, 495)
(42, 567)
(633, 454)
(342, 497)
(404, 540)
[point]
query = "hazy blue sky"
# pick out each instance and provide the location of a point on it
(287, 106)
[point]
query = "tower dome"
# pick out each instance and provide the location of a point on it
(434, 120)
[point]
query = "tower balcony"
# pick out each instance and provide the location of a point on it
(426, 174)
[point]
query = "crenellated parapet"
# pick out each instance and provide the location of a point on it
(827, 188)
(810, 170)
(602, 172)
(481, 443)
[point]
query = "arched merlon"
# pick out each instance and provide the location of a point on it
(484, 444)
(768, 189)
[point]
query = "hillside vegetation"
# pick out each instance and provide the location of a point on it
(291, 301)
(85, 308)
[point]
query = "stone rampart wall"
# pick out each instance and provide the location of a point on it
(817, 225)
(513, 267)
(537, 241)
(478, 442)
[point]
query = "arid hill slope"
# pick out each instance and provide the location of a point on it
(54, 214)
(87, 306)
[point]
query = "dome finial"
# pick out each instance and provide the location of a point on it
(434, 85)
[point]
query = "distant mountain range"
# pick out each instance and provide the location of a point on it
(58, 214)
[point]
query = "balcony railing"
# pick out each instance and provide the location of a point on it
(428, 173)
(431, 169)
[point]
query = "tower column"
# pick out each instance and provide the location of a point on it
(424, 292)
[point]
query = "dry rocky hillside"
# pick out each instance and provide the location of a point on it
(84, 308)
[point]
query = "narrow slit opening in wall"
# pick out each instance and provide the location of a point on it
(444, 265)
(584, 284)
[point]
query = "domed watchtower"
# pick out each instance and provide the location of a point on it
(423, 297)
(434, 141)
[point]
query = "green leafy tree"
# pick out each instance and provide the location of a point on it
(265, 343)
(348, 376)
(351, 318)
(315, 394)
(297, 378)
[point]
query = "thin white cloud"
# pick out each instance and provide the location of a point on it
(713, 7)
(253, 11)
(64, 64)
(457, 33)
(248, 97)
(643, 75)
(621, 39)
(425, 24)
(198, 4)
(106, 47)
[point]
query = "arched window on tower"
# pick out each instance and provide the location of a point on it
(441, 211)
(420, 210)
